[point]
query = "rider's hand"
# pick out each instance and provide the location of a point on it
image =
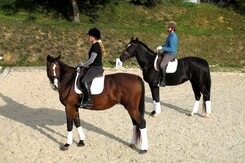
(159, 48)
(80, 65)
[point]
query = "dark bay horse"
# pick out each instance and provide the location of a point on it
(119, 88)
(194, 69)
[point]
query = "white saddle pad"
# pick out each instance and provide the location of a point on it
(171, 67)
(97, 85)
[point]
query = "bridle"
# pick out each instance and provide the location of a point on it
(55, 79)
(127, 55)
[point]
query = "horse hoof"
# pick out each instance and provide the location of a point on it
(143, 151)
(207, 115)
(191, 114)
(132, 145)
(152, 113)
(64, 147)
(81, 143)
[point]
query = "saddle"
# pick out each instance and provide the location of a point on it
(171, 66)
(96, 86)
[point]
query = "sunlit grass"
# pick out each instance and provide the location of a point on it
(204, 30)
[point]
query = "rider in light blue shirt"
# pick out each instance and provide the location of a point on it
(169, 50)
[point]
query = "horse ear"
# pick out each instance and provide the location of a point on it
(132, 38)
(48, 57)
(58, 58)
(136, 39)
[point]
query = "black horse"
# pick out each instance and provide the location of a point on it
(194, 69)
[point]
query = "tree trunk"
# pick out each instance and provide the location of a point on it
(75, 11)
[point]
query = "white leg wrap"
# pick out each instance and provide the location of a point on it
(144, 139)
(81, 133)
(134, 138)
(208, 106)
(69, 137)
(195, 108)
(157, 107)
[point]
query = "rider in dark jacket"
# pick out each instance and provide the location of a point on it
(94, 65)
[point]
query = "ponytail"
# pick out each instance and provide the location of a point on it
(103, 52)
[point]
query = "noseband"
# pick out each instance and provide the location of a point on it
(54, 77)
(127, 55)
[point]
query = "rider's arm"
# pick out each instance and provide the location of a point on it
(171, 45)
(90, 60)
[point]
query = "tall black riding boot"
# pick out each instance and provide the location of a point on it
(87, 101)
(163, 77)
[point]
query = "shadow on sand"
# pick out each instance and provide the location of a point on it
(40, 119)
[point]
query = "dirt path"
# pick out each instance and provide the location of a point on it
(33, 125)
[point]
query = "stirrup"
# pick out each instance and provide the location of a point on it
(87, 105)
(163, 83)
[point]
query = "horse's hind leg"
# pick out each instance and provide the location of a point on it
(207, 102)
(197, 93)
(135, 136)
(139, 124)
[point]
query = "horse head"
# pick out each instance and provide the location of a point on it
(131, 50)
(53, 71)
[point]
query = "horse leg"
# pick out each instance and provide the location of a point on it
(80, 132)
(140, 124)
(197, 93)
(207, 102)
(72, 115)
(69, 123)
(135, 136)
(156, 100)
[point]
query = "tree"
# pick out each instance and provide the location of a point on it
(75, 11)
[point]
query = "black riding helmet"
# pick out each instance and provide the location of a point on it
(95, 33)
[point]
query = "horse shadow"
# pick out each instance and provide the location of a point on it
(171, 106)
(40, 119)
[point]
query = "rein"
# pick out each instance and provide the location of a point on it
(66, 84)
(142, 68)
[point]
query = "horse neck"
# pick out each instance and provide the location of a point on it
(66, 73)
(144, 57)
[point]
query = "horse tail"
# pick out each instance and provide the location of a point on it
(142, 98)
(141, 108)
(207, 84)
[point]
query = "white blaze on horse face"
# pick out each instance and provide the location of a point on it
(55, 80)
(128, 45)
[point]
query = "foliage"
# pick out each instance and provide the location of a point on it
(204, 30)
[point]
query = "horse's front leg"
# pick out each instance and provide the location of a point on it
(69, 123)
(156, 100)
(80, 132)
(72, 115)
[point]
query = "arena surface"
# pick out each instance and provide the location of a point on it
(33, 124)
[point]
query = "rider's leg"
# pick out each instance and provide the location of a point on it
(87, 101)
(163, 66)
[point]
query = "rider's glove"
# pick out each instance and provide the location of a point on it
(80, 65)
(159, 48)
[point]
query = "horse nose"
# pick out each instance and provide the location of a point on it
(56, 84)
(122, 58)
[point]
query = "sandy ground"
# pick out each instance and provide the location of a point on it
(33, 125)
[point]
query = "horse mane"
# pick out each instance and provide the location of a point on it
(145, 46)
(68, 71)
